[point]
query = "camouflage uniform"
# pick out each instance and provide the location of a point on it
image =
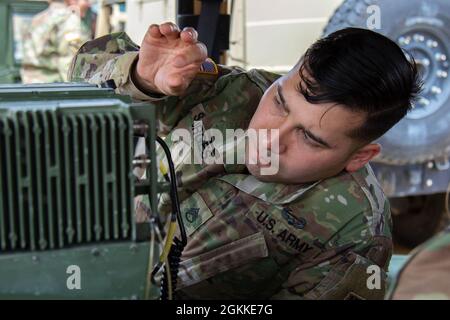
(247, 238)
(426, 275)
(88, 23)
(50, 43)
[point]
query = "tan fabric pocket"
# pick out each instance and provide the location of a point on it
(348, 280)
(222, 259)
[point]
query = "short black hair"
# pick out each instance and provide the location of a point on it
(364, 71)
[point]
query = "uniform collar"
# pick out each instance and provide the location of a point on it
(274, 193)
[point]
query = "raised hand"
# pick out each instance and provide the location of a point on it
(169, 59)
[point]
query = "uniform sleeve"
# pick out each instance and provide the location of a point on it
(353, 268)
(113, 57)
(108, 58)
(426, 274)
(345, 278)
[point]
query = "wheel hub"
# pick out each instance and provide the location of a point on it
(432, 58)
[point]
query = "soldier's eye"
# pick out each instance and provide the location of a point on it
(279, 107)
(304, 136)
(277, 102)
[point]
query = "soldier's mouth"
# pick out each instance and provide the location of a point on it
(259, 159)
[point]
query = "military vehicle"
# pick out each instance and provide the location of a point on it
(414, 164)
(68, 227)
(14, 16)
(67, 193)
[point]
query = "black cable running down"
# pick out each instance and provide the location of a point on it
(174, 260)
(174, 257)
(174, 189)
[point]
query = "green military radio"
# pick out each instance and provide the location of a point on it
(67, 188)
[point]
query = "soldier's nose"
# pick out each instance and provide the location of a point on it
(275, 145)
(279, 149)
(282, 148)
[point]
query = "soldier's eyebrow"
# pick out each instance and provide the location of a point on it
(310, 135)
(316, 138)
(280, 94)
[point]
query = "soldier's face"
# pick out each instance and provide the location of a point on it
(313, 139)
(84, 4)
(71, 2)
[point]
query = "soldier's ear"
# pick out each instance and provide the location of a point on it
(362, 156)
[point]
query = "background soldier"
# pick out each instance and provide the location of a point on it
(53, 38)
(426, 275)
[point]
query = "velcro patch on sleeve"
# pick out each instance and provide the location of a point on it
(195, 212)
(209, 67)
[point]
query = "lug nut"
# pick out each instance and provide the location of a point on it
(425, 62)
(432, 44)
(419, 38)
(424, 101)
(436, 90)
(442, 74)
(404, 40)
(440, 57)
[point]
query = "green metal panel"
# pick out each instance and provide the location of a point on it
(54, 149)
(108, 271)
(55, 91)
(147, 113)
(67, 192)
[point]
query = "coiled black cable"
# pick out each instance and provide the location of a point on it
(174, 260)
(174, 257)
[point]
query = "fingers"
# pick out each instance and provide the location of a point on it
(169, 30)
(189, 35)
(153, 30)
(196, 53)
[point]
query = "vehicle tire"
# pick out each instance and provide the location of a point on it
(422, 28)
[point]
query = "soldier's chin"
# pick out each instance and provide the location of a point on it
(256, 171)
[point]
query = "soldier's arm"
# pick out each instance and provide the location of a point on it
(107, 61)
(111, 60)
(431, 261)
(353, 267)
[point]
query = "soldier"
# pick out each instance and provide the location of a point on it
(88, 18)
(51, 41)
(317, 228)
(426, 275)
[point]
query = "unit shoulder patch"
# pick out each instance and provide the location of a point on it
(209, 67)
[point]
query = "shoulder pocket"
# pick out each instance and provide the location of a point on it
(222, 259)
(354, 277)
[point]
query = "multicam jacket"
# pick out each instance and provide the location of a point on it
(247, 238)
(426, 275)
(50, 43)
